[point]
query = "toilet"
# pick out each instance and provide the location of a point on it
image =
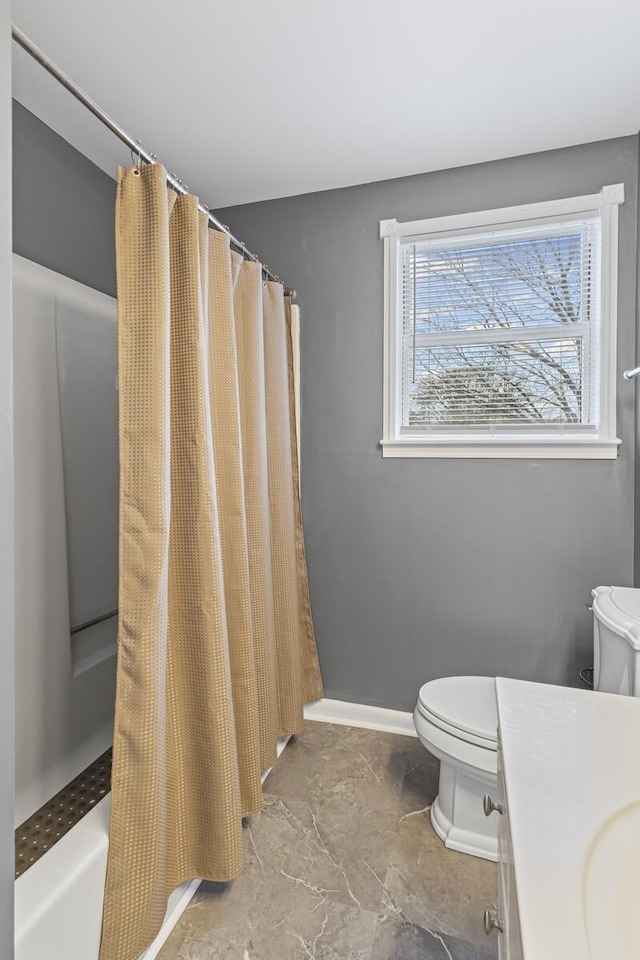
(616, 640)
(456, 720)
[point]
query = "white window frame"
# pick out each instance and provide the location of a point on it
(556, 442)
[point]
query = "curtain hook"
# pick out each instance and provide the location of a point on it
(133, 159)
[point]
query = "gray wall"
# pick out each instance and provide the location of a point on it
(637, 363)
(63, 205)
(418, 568)
(6, 501)
(425, 568)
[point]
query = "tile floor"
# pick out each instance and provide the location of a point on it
(342, 864)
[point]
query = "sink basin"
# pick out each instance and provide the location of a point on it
(612, 887)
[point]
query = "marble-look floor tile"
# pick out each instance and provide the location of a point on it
(317, 849)
(395, 940)
(342, 864)
(283, 923)
(436, 888)
(330, 762)
(335, 804)
(420, 784)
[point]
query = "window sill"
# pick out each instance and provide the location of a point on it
(579, 448)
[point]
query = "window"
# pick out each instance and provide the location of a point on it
(500, 332)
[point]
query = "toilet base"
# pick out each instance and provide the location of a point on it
(457, 816)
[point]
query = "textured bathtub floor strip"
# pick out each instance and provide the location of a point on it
(47, 825)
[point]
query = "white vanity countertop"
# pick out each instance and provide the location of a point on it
(571, 762)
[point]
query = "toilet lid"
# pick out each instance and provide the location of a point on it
(619, 609)
(467, 704)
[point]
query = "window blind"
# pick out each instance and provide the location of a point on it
(500, 330)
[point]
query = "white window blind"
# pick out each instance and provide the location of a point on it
(500, 331)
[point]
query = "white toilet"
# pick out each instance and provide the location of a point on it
(616, 640)
(456, 720)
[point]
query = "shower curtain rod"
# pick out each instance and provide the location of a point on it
(174, 182)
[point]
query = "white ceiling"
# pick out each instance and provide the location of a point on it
(254, 99)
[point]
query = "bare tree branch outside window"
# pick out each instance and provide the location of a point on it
(508, 285)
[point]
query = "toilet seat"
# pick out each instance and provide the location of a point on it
(463, 707)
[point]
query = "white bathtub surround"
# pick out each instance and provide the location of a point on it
(66, 472)
(572, 785)
(59, 899)
(361, 715)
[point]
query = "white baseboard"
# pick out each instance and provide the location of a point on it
(361, 715)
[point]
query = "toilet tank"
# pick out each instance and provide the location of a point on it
(616, 640)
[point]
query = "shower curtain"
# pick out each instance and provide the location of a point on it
(216, 651)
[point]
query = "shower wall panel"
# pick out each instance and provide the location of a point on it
(66, 472)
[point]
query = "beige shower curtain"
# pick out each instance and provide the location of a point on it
(216, 651)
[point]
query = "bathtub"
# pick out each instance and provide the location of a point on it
(66, 465)
(58, 901)
(66, 514)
